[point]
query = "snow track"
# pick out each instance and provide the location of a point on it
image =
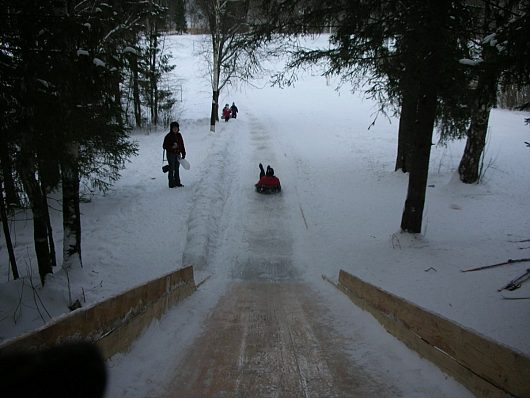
(267, 243)
(266, 337)
(231, 224)
(208, 201)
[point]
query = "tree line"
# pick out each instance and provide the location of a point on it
(437, 64)
(75, 76)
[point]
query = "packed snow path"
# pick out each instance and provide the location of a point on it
(270, 333)
(266, 336)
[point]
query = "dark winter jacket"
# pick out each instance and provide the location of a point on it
(170, 139)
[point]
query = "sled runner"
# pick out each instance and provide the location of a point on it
(268, 189)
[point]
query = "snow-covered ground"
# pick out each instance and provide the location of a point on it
(341, 208)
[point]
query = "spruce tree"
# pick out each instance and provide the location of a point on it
(65, 65)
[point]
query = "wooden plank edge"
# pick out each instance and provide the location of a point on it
(178, 285)
(497, 363)
(464, 375)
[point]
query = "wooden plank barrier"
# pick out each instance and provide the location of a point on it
(115, 323)
(485, 367)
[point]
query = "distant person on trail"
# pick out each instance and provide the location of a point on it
(234, 110)
(226, 113)
(174, 146)
(268, 182)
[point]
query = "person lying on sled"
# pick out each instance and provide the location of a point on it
(268, 182)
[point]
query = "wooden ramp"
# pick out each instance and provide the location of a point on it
(112, 324)
(268, 340)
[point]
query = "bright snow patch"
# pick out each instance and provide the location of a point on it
(130, 50)
(470, 62)
(98, 62)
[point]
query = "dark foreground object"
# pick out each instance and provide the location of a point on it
(75, 370)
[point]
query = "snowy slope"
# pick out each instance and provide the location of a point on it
(340, 209)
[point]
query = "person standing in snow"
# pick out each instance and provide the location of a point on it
(226, 113)
(174, 146)
(234, 110)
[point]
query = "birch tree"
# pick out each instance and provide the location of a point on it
(229, 60)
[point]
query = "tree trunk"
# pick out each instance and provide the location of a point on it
(484, 99)
(215, 110)
(40, 226)
(153, 79)
(427, 66)
(412, 218)
(27, 161)
(469, 168)
(71, 211)
(7, 234)
(51, 243)
(136, 91)
(155, 106)
(11, 198)
(406, 129)
(216, 66)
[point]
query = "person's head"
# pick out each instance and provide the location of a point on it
(174, 127)
(226, 105)
(233, 104)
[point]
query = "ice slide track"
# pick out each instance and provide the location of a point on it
(267, 336)
(267, 340)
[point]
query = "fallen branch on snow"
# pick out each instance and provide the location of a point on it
(510, 261)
